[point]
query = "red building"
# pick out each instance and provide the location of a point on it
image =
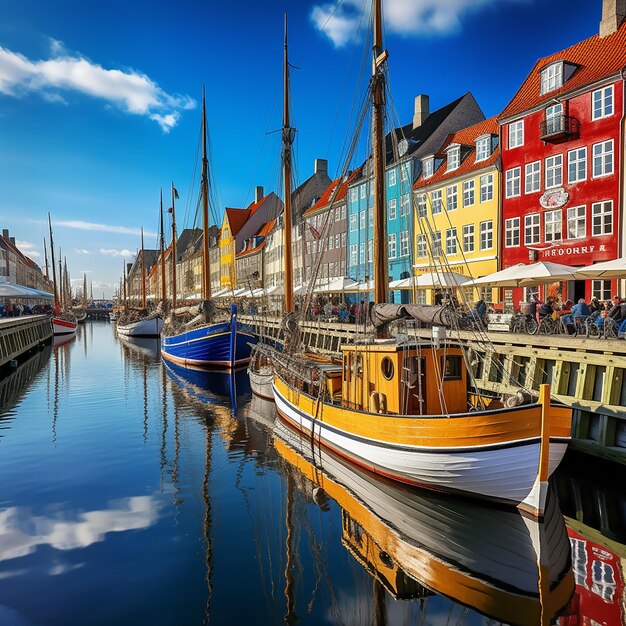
(562, 144)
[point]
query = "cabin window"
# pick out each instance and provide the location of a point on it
(451, 366)
(387, 368)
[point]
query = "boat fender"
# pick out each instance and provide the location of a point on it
(374, 403)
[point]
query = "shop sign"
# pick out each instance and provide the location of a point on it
(559, 251)
(554, 198)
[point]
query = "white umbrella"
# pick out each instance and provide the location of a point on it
(337, 285)
(365, 286)
(12, 290)
(440, 279)
(522, 275)
(608, 269)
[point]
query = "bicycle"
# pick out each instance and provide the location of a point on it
(523, 324)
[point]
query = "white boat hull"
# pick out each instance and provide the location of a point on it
(262, 381)
(151, 327)
(62, 327)
(506, 472)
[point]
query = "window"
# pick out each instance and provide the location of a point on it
(483, 148)
(404, 243)
(533, 177)
(603, 158)
(391, 208)
(468, 193)
(577, 165)
(391, 246)
(353, 220)
(552, 224)
(337, 241)
(362, 252)
(486, 235)
(420, 245)
(342, 212)
(454, 157)
(331, 242)
(362, 219)
(554, 119)
(344, 237)
(353, 194)
(511, 232)
(421, 205)
(436, 199)
(531, 229)
(486, 188)
(370, 250)
(513, 182)
(602, 217)
(576, 223)
(451, 198)
(353, 253)
(404, 172)
(516, 134)
(404, 204)
(451, 366)
(601, 289)
(428, 166)
(370, 213)
(392, 177)
(602, 103)
(436, 247)
(363, 192)
(554, 171)
(468, 238)
(451, 241)
(551, 77)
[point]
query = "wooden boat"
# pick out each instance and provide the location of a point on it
(510, 568)
(408, 411)
(61, 326)
(143, 327)
(223, 344)
(261, 374)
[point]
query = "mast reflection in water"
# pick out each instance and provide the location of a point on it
(137, 492)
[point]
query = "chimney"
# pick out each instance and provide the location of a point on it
(321, 165)
(258, 193)
(421, 110)
(12, 240)
(5, 233)
(613, 14)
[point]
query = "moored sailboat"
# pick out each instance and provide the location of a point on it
(407, 410)
(63, 323)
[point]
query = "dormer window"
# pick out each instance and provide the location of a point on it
(454, 157)
(552, 77)
(483, 147)
(428, 166)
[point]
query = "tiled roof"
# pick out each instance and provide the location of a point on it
(595, 57)
(466, 137)
(238, 217)
(324, 201)
(264, 231)
(166, 254)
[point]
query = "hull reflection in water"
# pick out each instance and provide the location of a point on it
(145, 346)
(498, 562)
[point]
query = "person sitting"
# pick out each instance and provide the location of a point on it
(547, 308)
(594, 305)
(477, 314)
(615, 312)
(580, 311)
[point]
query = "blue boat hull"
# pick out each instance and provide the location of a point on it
(215, 345)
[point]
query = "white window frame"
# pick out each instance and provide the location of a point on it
(552, 77)
(354, 194)
(512, 232)
(532, 182)
(437, 203)
(436, 244)
(451, 244)
(354, 222)
(405, 204)
(516, 134)
(362, 253)
(363, 191)
(453, 154)
(452, 198)
(554, 171)
(391, 177)
(602, 103)
(532, 228)
(553, 225)
(577, 160)
(420, 246)
(362, 219)
(513, 187)
(420, 203)
(601, 289)
(599, 211)
(486, 188)
(600, 157)
(354, 254)
(428, 166)
(483, 148)
(404, 243)
(404, 172)
(486, 235)
(554, 121)
(392, 211)
(468, 193)
(577, 215)
(392, 251)
(469, 238)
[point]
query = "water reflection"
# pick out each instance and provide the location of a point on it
(494, 561)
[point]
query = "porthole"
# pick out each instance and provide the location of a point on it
(386, 367)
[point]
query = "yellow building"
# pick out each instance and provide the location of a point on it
(231, 224)
(456, 200)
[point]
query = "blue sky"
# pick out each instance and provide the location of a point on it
(99, 102)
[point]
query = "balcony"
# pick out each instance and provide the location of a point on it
(559, 128)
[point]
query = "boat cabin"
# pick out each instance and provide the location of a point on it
(404, 379)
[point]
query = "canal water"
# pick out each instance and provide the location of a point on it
(135, 492)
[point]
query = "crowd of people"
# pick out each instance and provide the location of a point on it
(17, 310)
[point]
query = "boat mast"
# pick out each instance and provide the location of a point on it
(45, 254)
(162, 244)
(54, 272)
(61, 284)
(288, 137)
(378, 118)
(124, 283)
(206, 261)
(143, 273)
(173, 210)
(84, 289)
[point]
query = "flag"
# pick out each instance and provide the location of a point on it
(176, 196)
(314, 232)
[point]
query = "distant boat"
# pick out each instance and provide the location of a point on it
(144, 327)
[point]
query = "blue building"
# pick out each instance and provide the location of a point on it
(406, 147)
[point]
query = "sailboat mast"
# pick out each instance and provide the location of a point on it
(124, 282)
(288, 137)
(173, 247)
(143, 273)
(85, 289)
(162, 244)
(61, 284)
(206, 261)
(378, 117)
(54, 272)
(45, 255)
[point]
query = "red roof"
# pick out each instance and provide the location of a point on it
(238, 217)
(264, 231)
(154, 268)
(466, 137)
(595, 57)
(324, 201)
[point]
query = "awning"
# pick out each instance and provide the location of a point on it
(608, 269)
(522, 275)
(13, 290)
(336, 285)
(431, 280)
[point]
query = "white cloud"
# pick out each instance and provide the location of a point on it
(81, 251)
(404, 17)
(128, 90)
(27, 249)
(103, 228)
(113, 252)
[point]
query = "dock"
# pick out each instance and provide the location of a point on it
(19, 335)
(587, 374)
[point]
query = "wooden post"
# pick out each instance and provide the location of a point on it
(544, 452)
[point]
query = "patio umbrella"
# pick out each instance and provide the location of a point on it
(434, 280)
(12, 290)
(337, 285)
(522, 275)
(608, 269)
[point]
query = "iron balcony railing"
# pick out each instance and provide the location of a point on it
(559, 126)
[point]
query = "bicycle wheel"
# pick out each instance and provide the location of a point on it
(610, 329)
(592, 330)
(530, 325)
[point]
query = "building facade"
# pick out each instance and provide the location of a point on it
(18, 268)
(251, 260)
